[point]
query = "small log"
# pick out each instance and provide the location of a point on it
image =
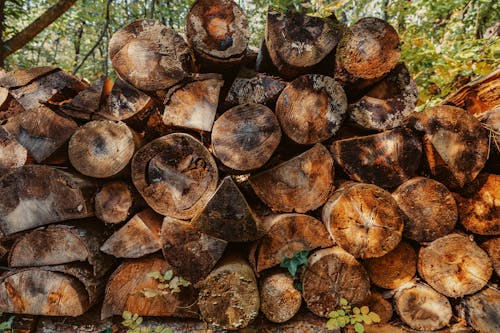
(285, 235)
(261, 89)
(102, 148)
(138, 237)
(124, 292)
(385, 159)
(422, 308)
(393, 269)
(245, 137)
(429, 209)
(12, 154)
(482, 309)
(35, 195)
(311, 108)
(455, 143)
(279, 300)
(114, 202)
(149, 55)
(363, 219)
(332, 274)
(175, 174)
(8, 105)
(300, 184)
(229, 296)
(193, 104)
(492, 247)
(454, 265)
(228, 216)
(191, 253)
(378, 304)
(126, 103)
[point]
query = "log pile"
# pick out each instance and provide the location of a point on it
(181, 188)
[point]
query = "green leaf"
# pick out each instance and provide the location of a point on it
(374, 317)
(333, 314)
(331, 324)
(150, 293)
(168, 275)
(367, 319)
(341, 313)
(107, 330)
(6, 324)
(127, 315)
(359, 328)
(343, 301)
(355, 310)
(155, 275)
(365, 310)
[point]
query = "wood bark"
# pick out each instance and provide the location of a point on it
(261, 89)
(482, 309)
(363, 219)
(311, 108)
(492, 247)
(114, 202)
(300, 184)
(245, 137)
(12, 154)
(279, 300)
(175, 174)
(454, 265)
(385, 159)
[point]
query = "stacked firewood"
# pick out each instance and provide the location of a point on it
(179, 189)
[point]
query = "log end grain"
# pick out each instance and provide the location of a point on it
(279, 300)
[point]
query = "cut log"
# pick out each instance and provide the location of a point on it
(229, 296)
(150, 55)
(102, 148)
(12, 154)
(385, 159)
(422, 308)
(300, 184)
(191, 253)
(193, 104)
(228, 216)
(33, 196)
(218, 32)
(387, 103)
(378, 304)
(482, 309)
(393, 269)
(332, 274)
(455, 143)
(454, 265)
(245, 137)
(429, 209)
(285, 235)
(138, 237)
(261, 89)
(297, 43)
(126, 103)
(311, 108)
(175, 174)
(114, 202)
(124, 292)
(363, 219)
(279, 300)
(8, 105)
(492, 247)
(41, 131)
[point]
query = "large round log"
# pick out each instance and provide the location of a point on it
(114, 202)
(482, 309)
(279, 300)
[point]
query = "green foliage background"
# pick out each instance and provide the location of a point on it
(444, 42)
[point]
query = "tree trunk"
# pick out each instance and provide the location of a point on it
(482, 309)
(492, 247)
(12, 154)
(261, 89)
(114, 202)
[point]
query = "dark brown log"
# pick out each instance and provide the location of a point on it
(150, 55)
(192, 104)
(126, 284)
(429, 209)
(12, 154)
(454, 265)
(138, 237)
(385, 159)
(378, 304)
(332, 274)
(300, 184)
(228, 216)
(114, 202)
(245, 137)
(363, 219)
(36, 195)
(8, 105)
(261, 89)
(482, 309)
(311, 108)
(492, 247)
(175, 174)
(393, 269)
(102, 148)
(191, 253)
(126, 103)
(285, 235)
(456, 145)
(229, 296)
(422, 308)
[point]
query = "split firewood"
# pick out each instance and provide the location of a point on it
(363, 219)
(422, 308)
(245, 137)
(22, 77)
(138, 237)
(229, 296)
(454, 265)
(175, 174)
(102, 148)
(482, 309)
(8, 105)
(261, 89)
(35, 195)
(429, 209)
(300, 184)
(455, 143)
(127, 287)
(114, 202)
(149, 55)
(492, 247)
(192, 104)
(12, 154)
(385, 159)
(311, 108)
(285, 235)
(332, 274)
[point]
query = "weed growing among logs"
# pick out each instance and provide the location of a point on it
(348, 315)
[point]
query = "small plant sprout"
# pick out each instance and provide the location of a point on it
(294, 264)
(167, 284)
(348, 315)
(6, 325)
(133, 324)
